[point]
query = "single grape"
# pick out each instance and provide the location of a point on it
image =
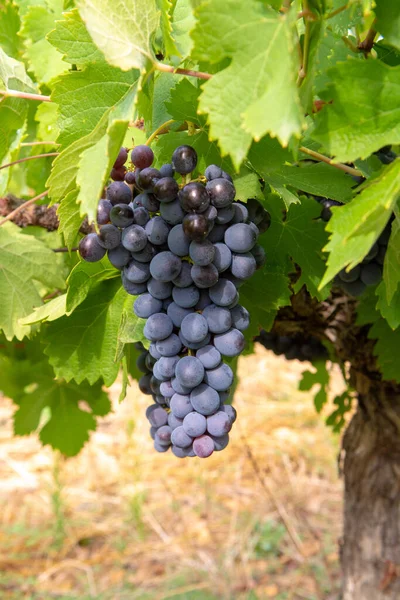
(148, 201)
(184, 278)
(142, 156)
(204, 277)
(255, 211)
(259, 255)
(209, 356)
(119, 257)
(254, 228)
(153, 351)
(174, 421)
(167, 171)
(166, 189)
(210, 213)
(194, 424)
(145, 305)
(150, 361)
(119, 193)
(134, 238)
(170, 346)
(217, 233)
(180, 405)
(194, 328)
(372, 253)
(178, 241)
(172, 212)
(186, 297)
(194, 197)
(221, 191)
(118, 174)
(159, 289)
(230, 343)
(218, 318)
(109, 236)
(178, 313)
(121, 158)
(180, 438)
(158, 417)
(213, 172)
(165, 266)
(230, 411)
(130, 177)
(204, 399)
(201, 253)
(146, 254)
(166, 366)
(144, 385)
(371, 274)
(220, 443)
(194, 345)
(226, 175)
(180, 452)
(240, 317)
(137, 272)
(148, 178)
(166, 388)
(218, 424)
(189, 371)
(222, 257)
(240, 237)
(103, 212)
(132, 288)
(184, 159)
(179, 388)
(157, 231)
(326, 211)
(225, 215)
(163, 435)
(121, 215)
(220, 378)
(243, 265)
(141, 215)
(265, 223)
(160, 447)
(350, 276)
(241, 214)
(141, 363)
(195, 226)
(203, 446)
(223, 293)
(90, 249)
(158, 327)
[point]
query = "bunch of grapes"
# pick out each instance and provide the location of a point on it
(298, 346)
(184, 250)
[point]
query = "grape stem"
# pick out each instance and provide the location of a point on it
(329, 161)
(368, 42)
(21, 160)
(65, 249)
(12, 214)
(164, 128)
(24, 95)
(170, 69)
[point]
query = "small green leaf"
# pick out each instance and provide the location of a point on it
(83, 277)
(131, 328)
(122, 29)
(319, 377)
(357, 225)
(70, 219)
(165, 7)
(388, 21)
(52, 310)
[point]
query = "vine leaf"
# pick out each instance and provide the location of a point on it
(83, 345)
(386, 349)
(255, 39)
(20, 255)
(83, 277)
(319, 377)
(388, 21)
(165, 7)
(122, 30)
(52, 310)
(182, 24)
(356, 226)
(363, 113)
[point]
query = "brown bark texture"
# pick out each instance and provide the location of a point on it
(370, 546)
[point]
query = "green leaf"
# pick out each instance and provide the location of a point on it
(24, 260)
(298, 235)
(70, 219)
(391, 267)
(36, 23)
(68, 427)
(13, 111)
(388, 21)
(46, 117)
(165, 7)
(9, 27)
(182, 105)
(182, 24)
(72, 39)
(83, 345)
(255, 39)
(83, 277)
(336, 419)
(363, 113)
(356, 226)
(389, 310)
(386, 349)
(122, 30)
(52, 310)
(131, 328)
(319, 377)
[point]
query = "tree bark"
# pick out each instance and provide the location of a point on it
(370, 552)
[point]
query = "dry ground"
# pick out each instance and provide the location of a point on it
(120, 522)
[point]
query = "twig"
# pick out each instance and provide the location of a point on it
(24, 144)
(188, 72)
(337, 11)
(25, 95)
(159, 130)
(367, 43)
(65, 249)
(21, 160)
(330, 162)
(23, 206)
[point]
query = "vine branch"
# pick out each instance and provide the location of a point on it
(368, 42)
(23, 206)
(170, 69)
(164, 128)
(24, 95)
(329, 161)
(21, 160)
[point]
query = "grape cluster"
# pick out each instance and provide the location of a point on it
(297, 346)
(184, 250)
